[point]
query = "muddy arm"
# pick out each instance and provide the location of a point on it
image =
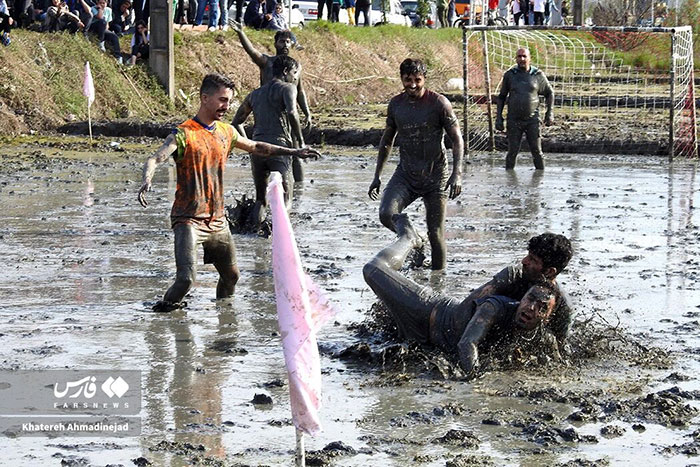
(290, 104)
(241, 116)
(385, 145)
(149, 167)
(303, 101)
(501, 102)
(481, 323)
(454, 184)
(258, 148)
(256, 56)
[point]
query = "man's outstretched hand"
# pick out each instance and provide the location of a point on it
(307, 153)
(236, 26)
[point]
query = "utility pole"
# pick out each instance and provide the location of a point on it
(162, 59)
(578, 12)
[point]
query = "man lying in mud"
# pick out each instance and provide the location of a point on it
(418, 119)
(283, 44)
(200, 147)
(462, 328)
(274, 107)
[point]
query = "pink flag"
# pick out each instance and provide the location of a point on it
(88, 85)
(301, 311)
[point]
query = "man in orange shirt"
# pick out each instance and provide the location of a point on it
(200, 147)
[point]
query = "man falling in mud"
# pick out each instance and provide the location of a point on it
(522, 85)
(200, 147)
(283, 43)
(459, 328)
(418, 119)
(274, 107)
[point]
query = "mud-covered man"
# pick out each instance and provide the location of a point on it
(418, 120)
(274, 107)
(200, 147)
(521, 87)
(463, 328)
(283, 43)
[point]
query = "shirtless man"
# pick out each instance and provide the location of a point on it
(418, 118)
(460, 328)
(283, 43)
(274, 107)
(522, 85)
(200, 147)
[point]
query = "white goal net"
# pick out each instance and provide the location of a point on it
(616, 90)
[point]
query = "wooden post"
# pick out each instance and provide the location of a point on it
(162, 59)
(465, 92)
(672, 91)
(487, 86)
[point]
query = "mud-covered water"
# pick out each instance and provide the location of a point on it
(82, 261)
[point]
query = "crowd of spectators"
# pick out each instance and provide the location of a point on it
(96, 19)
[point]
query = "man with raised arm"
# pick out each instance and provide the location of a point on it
(522, 85)
(200, 147)
(531, 302)
(418, 120)
(283, 43)
(274, 107)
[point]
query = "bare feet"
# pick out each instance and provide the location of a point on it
(404, 228)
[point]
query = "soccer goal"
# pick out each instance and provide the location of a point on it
(617, 90)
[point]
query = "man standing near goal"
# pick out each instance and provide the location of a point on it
(521, 88)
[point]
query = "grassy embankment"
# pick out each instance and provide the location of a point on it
(42, 74)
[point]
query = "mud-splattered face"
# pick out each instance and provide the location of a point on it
(216, 105)
(283, 45)
(291, 75)
(522, 58)
(535, 307)
(414, 85)
(533, 267)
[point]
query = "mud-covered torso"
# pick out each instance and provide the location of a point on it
(420, 126)
(523, 89)
(271, 119)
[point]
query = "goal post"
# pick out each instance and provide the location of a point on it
(617, 90)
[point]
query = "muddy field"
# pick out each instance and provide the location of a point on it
(82, 262)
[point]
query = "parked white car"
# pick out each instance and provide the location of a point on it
(309, 10)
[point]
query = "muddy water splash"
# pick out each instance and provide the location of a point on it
(82, 261)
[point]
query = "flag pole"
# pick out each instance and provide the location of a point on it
(300, 455)
(89, 122)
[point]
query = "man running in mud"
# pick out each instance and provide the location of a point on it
(461, 328)
(200, 147)
(418, 119)
(283, 43)
(274, 107)
(522, 85)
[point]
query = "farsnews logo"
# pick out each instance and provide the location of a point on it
(87, 388)
(79, 394)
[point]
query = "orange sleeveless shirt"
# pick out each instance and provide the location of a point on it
(200, 160)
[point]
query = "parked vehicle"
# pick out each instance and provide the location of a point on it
(410, 8)
(394, 13)
(309, 11)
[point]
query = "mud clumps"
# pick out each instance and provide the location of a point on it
(461, 438)
(466, 460)
(192, 454)
(262, 399)
(329, 453)
(691, 448)
(239, 219)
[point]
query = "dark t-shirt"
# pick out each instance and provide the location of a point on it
(511, 283)
(452, 319)
(523, 88)
(271, 103)
(420, 126)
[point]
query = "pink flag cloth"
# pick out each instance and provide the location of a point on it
(88, 85)
(301, 311)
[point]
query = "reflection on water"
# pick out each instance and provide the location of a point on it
(81, 256)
